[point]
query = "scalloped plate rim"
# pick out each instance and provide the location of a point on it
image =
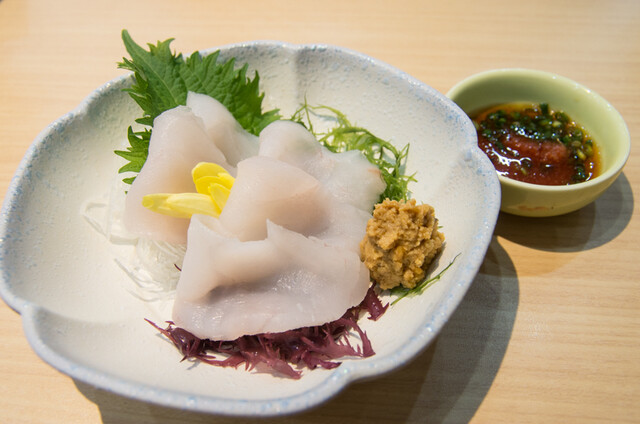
(340, 378)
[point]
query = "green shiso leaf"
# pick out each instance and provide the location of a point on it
(162, 79)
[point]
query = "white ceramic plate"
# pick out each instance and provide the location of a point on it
(78, 311)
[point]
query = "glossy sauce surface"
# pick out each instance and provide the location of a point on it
(534, 144)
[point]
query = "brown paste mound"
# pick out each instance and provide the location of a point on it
(401, 241)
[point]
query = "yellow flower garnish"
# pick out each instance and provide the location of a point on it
(213, 185)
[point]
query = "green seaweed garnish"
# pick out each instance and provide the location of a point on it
(403, 292)
(346, 136)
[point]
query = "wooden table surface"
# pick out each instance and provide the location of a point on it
(550, 329)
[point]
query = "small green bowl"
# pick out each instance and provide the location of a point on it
(601, 120)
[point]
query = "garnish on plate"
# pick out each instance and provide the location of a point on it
(402, 239)
(213, 185)
(307, 347)
(267, 221)
(162, 80)
(345, 136)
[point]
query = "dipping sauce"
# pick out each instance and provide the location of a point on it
(534, 144)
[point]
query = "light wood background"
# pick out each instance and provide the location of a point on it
(550, 329)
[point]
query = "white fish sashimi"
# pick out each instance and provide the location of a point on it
(348, 176)
(284, 252)
(268, 189)
(291, 142)
(354, 180)
(345, 226)
(177, 144)
(215, 258)
(301, 282)
(222, 128)
(180, 139)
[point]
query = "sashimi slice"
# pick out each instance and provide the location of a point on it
(223, 129)
(348, 176)
(178, 143)
(305, 282)
(268, 189)
(284, 252)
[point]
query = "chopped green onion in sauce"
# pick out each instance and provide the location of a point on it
(536, 144)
